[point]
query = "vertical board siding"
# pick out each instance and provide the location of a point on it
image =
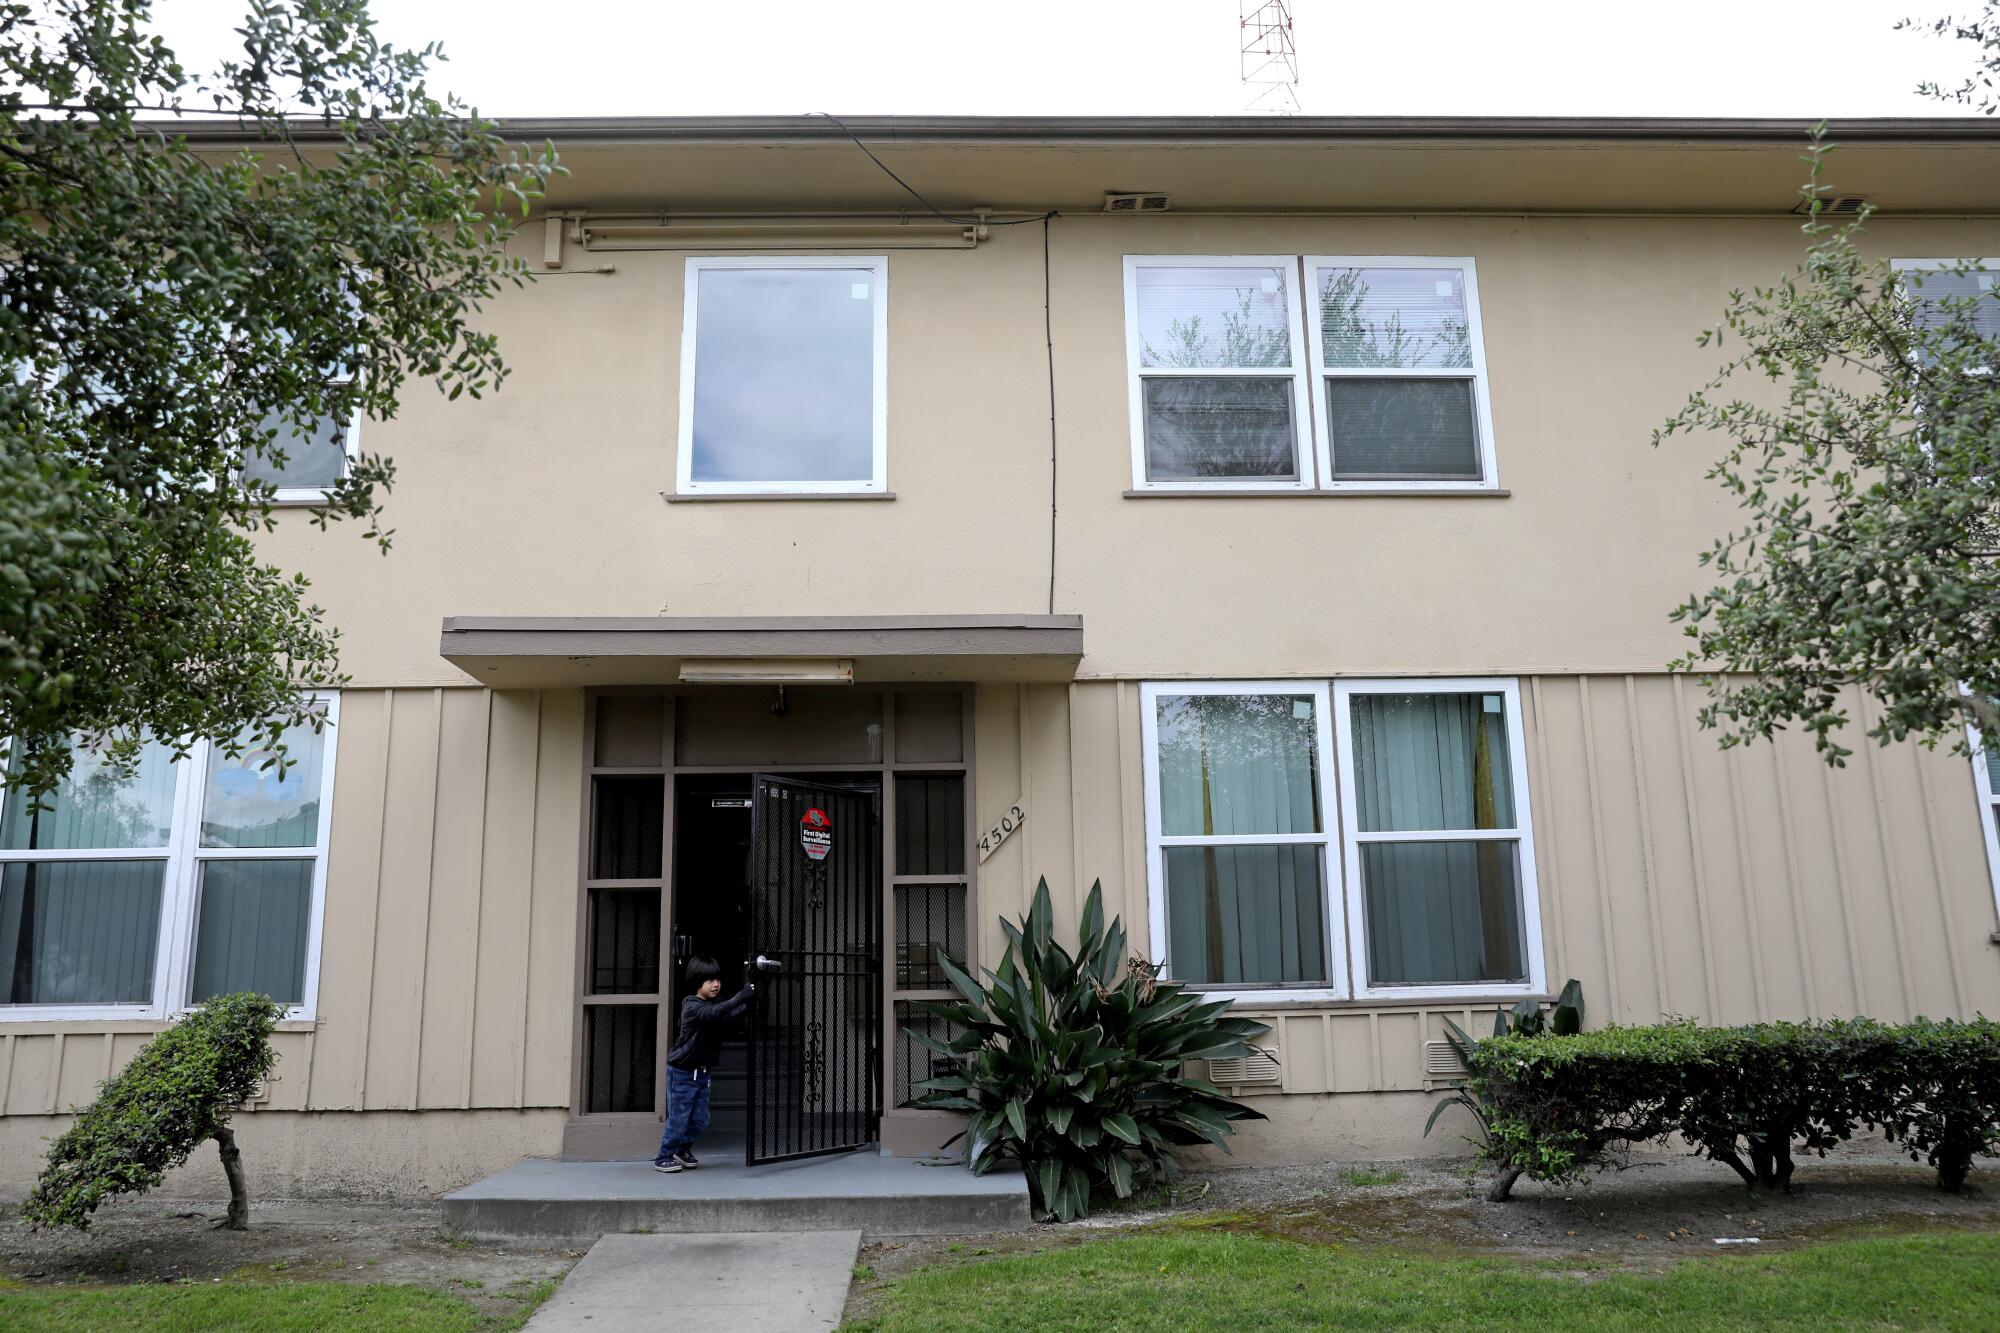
(449, 941)
(547, 975)
(1676, 878)
(403, 897)
(353, 890)
(451, 919)
(498, 990)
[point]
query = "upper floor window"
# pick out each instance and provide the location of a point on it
(784, 379)
(135, 897)
(1378, 381)
(1975, 283)
(1369, 839)
(314, 458)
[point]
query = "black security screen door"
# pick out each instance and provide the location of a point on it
(815, 944)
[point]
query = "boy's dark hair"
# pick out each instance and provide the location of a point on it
(702, 968)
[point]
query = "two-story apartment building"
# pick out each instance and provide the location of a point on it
(1255, 516)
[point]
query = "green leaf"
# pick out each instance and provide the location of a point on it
(1017, 1118)
(1118, 1168)
(1122, 1126)
(1048, 1177)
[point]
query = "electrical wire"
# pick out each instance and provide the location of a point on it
(1048, 311)
(911, 191)
(1049, 335)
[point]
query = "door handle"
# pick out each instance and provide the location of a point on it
(764, 964)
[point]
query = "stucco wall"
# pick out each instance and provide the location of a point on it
(545, 498)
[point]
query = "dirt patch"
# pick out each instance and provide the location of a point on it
(161, 1240)
(1658, 1210)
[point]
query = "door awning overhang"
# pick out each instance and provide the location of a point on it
(532, 652)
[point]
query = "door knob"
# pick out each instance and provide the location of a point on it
(764, 964)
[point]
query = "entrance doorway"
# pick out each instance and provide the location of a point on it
(712, 918)
(669, 871)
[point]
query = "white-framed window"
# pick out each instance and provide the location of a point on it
(139, 898)
(1928, 281)
(1436, 843)
(1238, 835)
(1400, 363)
(1986, 781)
(1364, 839)
(1238, 363)
(316, 456)
(784, 376)
(1217, 371)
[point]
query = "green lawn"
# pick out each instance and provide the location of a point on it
(1190, 1281)
(301, 1307)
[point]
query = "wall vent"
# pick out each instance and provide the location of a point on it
(1441, 1063)
(1245, 1070)
(1117, 202)
(1837, 205)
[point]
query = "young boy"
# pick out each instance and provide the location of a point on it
(697, 1041)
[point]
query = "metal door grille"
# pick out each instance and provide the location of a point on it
(815, 1032)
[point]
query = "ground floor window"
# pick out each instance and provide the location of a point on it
(1364, 838)
(138, 896)
(1986, 778)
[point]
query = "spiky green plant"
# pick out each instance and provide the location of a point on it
(1072, 1065)
(1525, 1019)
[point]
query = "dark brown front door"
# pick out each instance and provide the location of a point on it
(815, 953)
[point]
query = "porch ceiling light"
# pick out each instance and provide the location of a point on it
(768, 671)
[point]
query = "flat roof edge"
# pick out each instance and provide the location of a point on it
(1176, 129)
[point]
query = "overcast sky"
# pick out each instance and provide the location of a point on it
(1803, 58)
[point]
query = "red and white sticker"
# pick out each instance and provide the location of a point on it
(816, 833)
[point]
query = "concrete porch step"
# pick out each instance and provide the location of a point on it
(577, 1202)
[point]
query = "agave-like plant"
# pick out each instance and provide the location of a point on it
(1525, 1019)
(1071, 1064)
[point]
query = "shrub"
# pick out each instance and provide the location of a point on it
(1956, 1069)
(1747, 1096)
(175, 1095)
(1072, 1066)
(1525, 1019)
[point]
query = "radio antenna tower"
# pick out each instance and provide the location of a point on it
(1270, 62)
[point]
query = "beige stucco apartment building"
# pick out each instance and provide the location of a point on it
(1270, 534)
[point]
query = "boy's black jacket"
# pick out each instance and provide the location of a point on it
(698, 1035)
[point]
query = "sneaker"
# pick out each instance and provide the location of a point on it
(669, 1166)
(687, 1159)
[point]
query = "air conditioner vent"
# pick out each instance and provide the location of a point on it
(1441, 1062)
(1116, 202)
(1837, 205)
(1245, 1070)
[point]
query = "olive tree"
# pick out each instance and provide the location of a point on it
(176, 312)
(1858, 409)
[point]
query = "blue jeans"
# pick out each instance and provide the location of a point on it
(687, 1111)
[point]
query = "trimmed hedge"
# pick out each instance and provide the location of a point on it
(1748, 1097)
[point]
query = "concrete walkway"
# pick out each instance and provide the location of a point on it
(731, 1282)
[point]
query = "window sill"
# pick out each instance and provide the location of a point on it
(1251, 1001)
(83, 1025)
(1276, 493)
(676, 498)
